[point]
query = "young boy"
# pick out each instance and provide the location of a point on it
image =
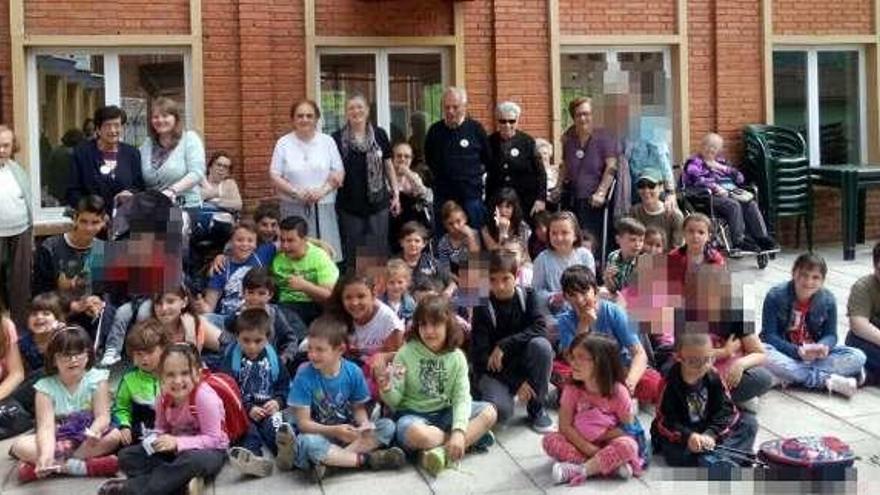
(509, 350)
(328, 398)
(266, 217)
(398, 276)
(224, 294)
(264, 382)
(304, 273)
(621, 262)
(286, 327)
(135, 407)
(653, 212)
(413, 240)
(696, 412)
(62, 261)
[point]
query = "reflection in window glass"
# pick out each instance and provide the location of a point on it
(142, 78)
(416, 90)
(839, 120)
(70, 88)
(341, 77)
(790, 90)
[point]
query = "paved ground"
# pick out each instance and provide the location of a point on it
(517, 466)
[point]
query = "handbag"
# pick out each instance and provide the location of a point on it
(741, 195)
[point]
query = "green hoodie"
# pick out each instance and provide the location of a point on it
(135, 405)
(432, 382)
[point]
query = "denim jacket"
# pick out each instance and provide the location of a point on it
(776, 318)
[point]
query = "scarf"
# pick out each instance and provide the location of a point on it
(375, 164)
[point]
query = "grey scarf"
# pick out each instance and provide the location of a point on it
(375, 164)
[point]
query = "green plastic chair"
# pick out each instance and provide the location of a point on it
(776, 161)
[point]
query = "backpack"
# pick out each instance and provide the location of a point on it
(235, 421)
(274, 367)
(799, 458)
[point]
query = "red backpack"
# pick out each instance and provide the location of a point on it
(235, 421)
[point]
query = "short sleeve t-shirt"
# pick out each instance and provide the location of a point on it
(228, 282)
(7, 327)
(316, 267)
(864, 298)
(610, 321)
(66, 402)
(307, 163)
(368, 338)
(329, 398)
(797, 330)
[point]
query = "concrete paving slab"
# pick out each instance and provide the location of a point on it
(494, 471)
(230, 482)
(859, 405)
(787, 416)
(407, 481)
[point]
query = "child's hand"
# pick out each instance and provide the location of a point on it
(346, 433)
(125, 436)
(165, 443)
(91, 436)
(455, 445)
(271, 407)
(732, 346)
(46, 465)
(806, 353)
(734, 375)
(218, 264)
(257, 413)
(708, 442)
(695, 445)
(296, 282)
(525, 393)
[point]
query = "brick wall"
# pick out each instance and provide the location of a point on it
(107, 16)
(701, 68)
(617, 16)
(383, 17)
(822, 17)
(5, 66)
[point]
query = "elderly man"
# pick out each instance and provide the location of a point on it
(16, 220)
(863, 309)
(457, 153)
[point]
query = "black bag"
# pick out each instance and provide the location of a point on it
(14, 419)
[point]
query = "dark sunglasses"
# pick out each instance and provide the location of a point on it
(507, 121)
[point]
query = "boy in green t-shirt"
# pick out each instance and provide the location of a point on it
(135, 406)
(304, 273)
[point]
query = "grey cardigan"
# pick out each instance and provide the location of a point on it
(187, 159)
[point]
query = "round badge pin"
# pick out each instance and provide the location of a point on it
(514, 152)
(464, 143)
(579, 154)
(105, 169)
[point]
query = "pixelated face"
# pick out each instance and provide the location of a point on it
(110, 131)
(220, 168)
(696, 235)
(402, 156)
(412, 245)
(267, 228)
(252, 342)
(304, 118)
(507, 123)
(7, 142)
(72, 365)
(807, 282)
(244, 242)
(178, 378)
(357, 299)
(89, 224)
(502, 285)
(396, 285)
(455, 222)
(562, 236)
(696, 359)
(147, 360)
(322, 355)
(257, 298)
(546, 155)
(433, 335)
(582, 301)
(581, 364)
(454, 109)
(653, 245)
(630, 244)
(649, 193)
(169, 307)
(163, 123)
(583, 116)
(292, 244)
(356, 111)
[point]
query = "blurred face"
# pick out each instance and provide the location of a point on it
(582, 364)
(147, 360)
(502, 285)
(322, 355)
(649, 193)
(252, 342)
(807, 283)
(630, 244)
(696, 235)
(357, 299)
(433, 335)
(267, 228)
(653, 245)
(455, 222)
(562, 236)
(110, 132)
(163, 123)
(711, 147)
(169, 307)
(546, 155)
(178, 379)
(507, 124)
(695, 360)
(89, 224)
(71, 366)
(356, 112)
(396, 285)
(292, 244)
(305, 119)
(257, 298)
(583, 117)
(402, 157)
(582, 301)
(412, 245)
(244, 242)
(7, 140)
(454, 109)
(220, 169)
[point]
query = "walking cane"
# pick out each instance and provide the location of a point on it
(605, 223)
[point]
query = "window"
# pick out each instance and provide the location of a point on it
(630, 87)
(819, 92)
(404, 87)
(66, 86)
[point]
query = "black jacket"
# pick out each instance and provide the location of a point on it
(457, 158)
(86, 177)
(523, 172)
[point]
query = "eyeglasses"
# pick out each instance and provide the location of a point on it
(507, 121)
(71, 357)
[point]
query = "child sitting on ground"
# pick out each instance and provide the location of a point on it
(413, 243)
(630, 236)
(135, 407)
(398, 276)
(565, 250)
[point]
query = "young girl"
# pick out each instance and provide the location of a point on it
(525, 270)
(459, 241)
(189, 443)
(695, 252)
(594, 411)
(565, 250)
(427, 386)
(655, 241)
(538, 240)
(398, 276)
(506, 221)
(182, 324)
(45, 315)
(74, 435)
(413, 241)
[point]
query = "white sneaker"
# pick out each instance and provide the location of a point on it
(842, 385)
(110, 358)
(863, 377)
(625, 471)
(196, 486)
(563, 472)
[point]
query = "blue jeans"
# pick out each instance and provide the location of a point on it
(312, 448)
(841, 360)
(261, 433)
(441, 419)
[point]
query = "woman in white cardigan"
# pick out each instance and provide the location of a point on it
(172, 159)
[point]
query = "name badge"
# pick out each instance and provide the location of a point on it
(514, 152)
(579, 154)
(107, 168)
(464, 143)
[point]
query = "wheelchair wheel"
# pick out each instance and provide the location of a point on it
(763, 260)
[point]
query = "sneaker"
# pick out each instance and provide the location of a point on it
(249, 463)
(318, 472)
(863, 377)
(842, 385)
(285, 440)
(483, 443)
(625, 471)
(115, 486)
(433, 460)
(564, 472)
(110, 358)
(542, 423)
(393, 458)
(196, 486)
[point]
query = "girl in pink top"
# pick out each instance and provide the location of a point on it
(189, 441)
(593, 411)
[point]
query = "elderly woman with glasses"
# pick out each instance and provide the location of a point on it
(515, 163)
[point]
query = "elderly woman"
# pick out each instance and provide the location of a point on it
(515, 163)
(589, 158)
(544, 151)
(370, 186)
(219, 190)
(173, 159)
(16, 233)
(105, 166)
(307, 169)
(707, 172)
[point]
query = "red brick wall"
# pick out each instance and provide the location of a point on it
(479, 60)
(701, 68)
(107, 16)
(5, 66)
(383, 17)
(822, 17)
(617, 16)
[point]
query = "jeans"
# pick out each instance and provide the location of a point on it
(741, 438)
(841, 360)
(261, 433)
(161, 474)
(306, 310)
(741, 217)
(312, 448)
(755, 382)
(368, 233)
(441, 419)
(872, 353)
(535, 365)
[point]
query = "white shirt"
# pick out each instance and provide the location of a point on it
(368, 338)
(13, 205)
(306, 164)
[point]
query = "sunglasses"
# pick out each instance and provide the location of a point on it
(507, 121)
